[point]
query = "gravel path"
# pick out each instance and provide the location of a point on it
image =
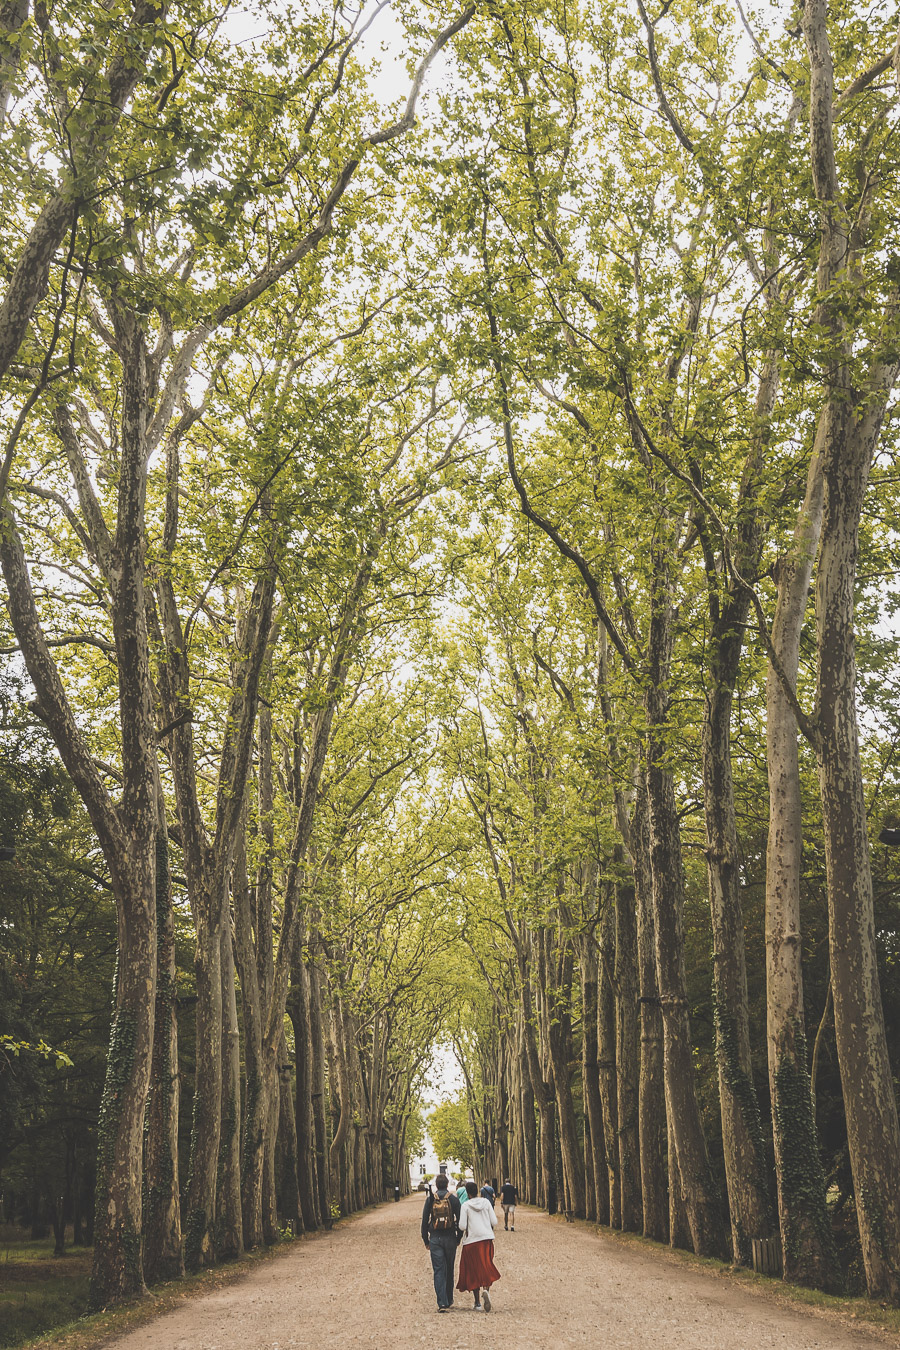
(369, 1284)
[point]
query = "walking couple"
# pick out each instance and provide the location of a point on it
(445, 1224)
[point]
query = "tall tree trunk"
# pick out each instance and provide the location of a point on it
(593, 1103)
(590, 1189)
(873, 1133)
(542, 1090)
(303, 1057)
(126, 829)
(679, 1228)
(698, 1186)
(651, 1092)
(529, 1125)
(270, 1189)
(570, 1150)
(317, 1042)
(746, 1166)
(230, 1244)
(557, 969)
(853, 413)
(163, 1257)
(742, 1135)
(199, 1226)
(117, 1269)
(807, 1243)
(286, 1159)
(606, 1057)
(338, 1153)
(628, 1058)
(252, 948)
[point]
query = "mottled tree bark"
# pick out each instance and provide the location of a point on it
(679, 1228)
(807, 1243)
(593, 1103)
(298, 1008)
(651, 1090)
(317, 1042)
(127, 829)
(230, 1244)
(854, 411)
(606, 1057)
(628, 1059)
(529, 1125)
(340, 1179)
(746, 1168)
(697, 1184)
(543, 1093)
(208, 862)
(163, 1257)
(556, 968)
(200, 1203)
(870, 1106)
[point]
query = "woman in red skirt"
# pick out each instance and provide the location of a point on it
(476, 1264)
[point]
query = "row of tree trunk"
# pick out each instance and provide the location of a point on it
(326, 1136)
(626, 936)
(612, 957)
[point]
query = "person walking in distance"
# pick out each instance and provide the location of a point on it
(440, 1233)
(477, 1271)
(509, 1197)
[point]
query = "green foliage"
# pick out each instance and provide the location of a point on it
(9, 1047)
(448, 1125)
(543, 277)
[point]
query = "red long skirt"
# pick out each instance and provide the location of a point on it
(476, 1266)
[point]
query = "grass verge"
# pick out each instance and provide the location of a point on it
(62, 1329)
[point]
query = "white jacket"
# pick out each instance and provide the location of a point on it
(478, 1220)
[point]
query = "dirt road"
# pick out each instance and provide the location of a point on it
(369, 1284)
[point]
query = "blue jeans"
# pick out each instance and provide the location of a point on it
(443, 1259)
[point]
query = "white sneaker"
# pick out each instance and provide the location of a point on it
(486, 1299)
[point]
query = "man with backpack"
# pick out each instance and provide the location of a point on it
(440, 1233)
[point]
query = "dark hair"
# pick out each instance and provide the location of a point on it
(441, 1181)
(471, 1189)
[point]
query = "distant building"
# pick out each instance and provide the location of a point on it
(428, 1164)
